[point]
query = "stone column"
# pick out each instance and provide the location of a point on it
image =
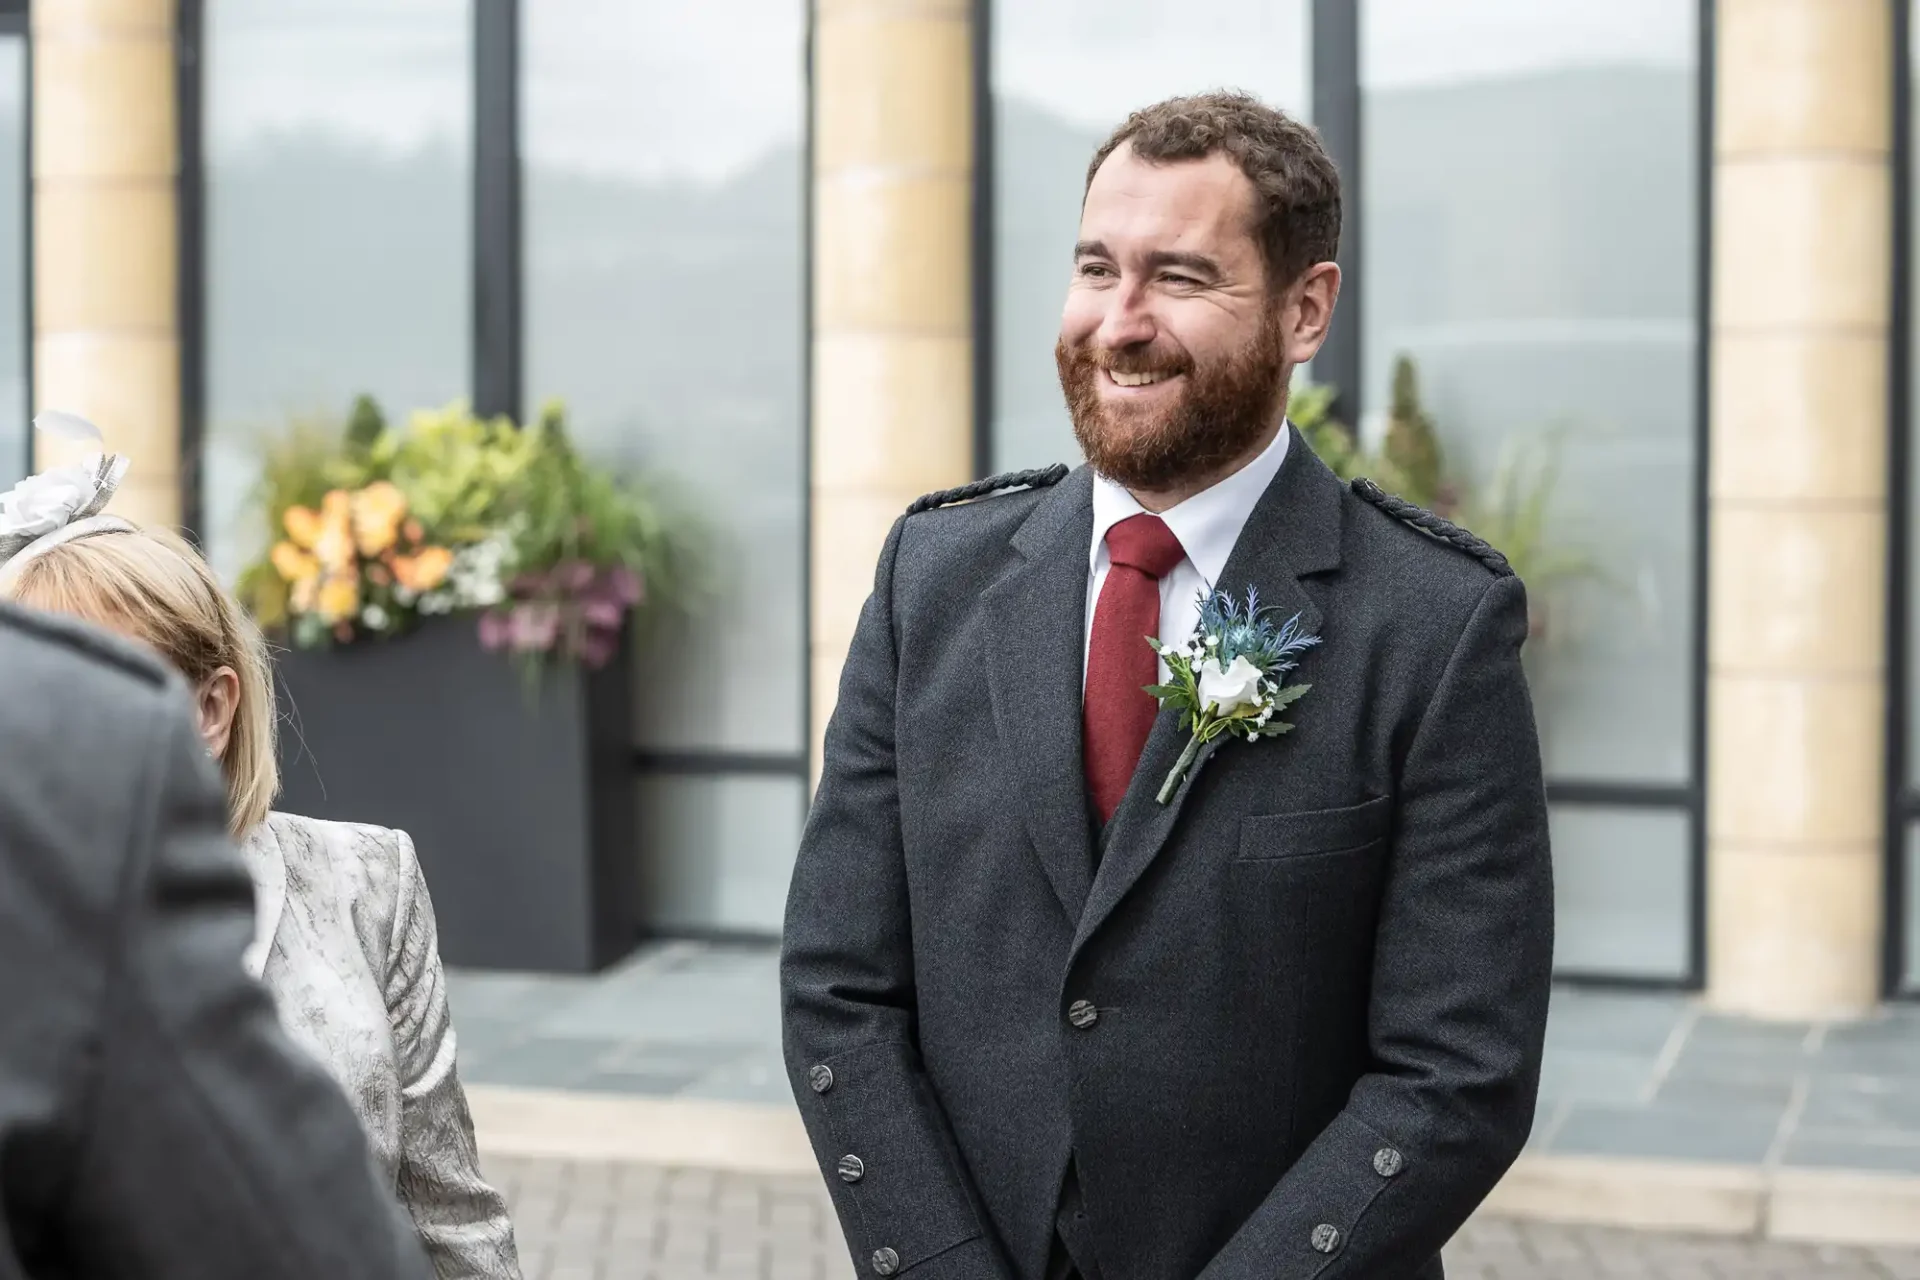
(1802, 256)
(892, 301)
(106, 340)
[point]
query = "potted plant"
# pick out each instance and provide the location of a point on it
(455, 597)
(1509, 511)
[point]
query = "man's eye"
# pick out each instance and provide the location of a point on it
(1095, 269)
(1180, 280)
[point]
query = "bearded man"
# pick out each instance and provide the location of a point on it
(1063, 994)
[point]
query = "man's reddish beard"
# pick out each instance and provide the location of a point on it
(1227, 405)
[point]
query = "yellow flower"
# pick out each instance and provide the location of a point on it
(293, 564)
(333, 543)
(425, 570)
(303, 526)
(306, 594)
(339, 598)
(378, 510)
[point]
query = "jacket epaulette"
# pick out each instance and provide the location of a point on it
(86, 642)
(1428, 523)
(1043, 478)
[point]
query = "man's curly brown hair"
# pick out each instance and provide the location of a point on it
(1295, 185)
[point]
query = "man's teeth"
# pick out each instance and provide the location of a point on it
(1136, 379)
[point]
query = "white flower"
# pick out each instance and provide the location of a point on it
(40, 504)
(374, 617)
(1226, 691)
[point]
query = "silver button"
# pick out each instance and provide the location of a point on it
(852, 1168)
(820, 1078)
(885, 1262)
(1082, 1014)
(1387, 1162)
(1326, 1238)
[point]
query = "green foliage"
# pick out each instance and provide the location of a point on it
(1510, 510)
(1411, 450)
(461, 473)
(1511, 513)
(467, 481)
(567, 510)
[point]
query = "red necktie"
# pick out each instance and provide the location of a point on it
(1118, 711)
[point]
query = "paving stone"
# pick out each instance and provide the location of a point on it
(723, 1226)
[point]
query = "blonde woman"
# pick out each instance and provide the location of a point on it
(345, 933)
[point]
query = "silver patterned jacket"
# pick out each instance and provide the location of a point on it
(346, 944)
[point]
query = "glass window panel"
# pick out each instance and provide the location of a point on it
(1531, 179)
(666, 262)
(1908, 914)
(1912, 532)
(338, 139)
(1622, 891)
(14, 341)
(717, 853)
(1065, 73)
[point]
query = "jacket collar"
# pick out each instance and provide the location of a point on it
(267, 865)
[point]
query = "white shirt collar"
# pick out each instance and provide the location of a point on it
(1208, 524)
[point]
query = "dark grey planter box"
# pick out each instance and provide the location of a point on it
(520, 805)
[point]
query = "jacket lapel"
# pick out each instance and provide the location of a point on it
(267, 864)
(1034, 669)
(1293, 531)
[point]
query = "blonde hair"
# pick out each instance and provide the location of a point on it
(151, 584)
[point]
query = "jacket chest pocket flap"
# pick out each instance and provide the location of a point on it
(1311, 831)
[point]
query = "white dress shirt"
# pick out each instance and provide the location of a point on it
(1207, 525)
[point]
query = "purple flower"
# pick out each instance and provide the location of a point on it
(493, 631)
(533, 628)
(627, 586)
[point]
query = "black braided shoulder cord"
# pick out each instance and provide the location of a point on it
(1043, 478)
(1427, 522)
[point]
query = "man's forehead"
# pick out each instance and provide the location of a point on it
(1180, 198)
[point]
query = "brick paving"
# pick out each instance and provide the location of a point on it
(587, 1220)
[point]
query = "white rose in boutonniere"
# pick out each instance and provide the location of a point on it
(1228, 680)
(1225, 692)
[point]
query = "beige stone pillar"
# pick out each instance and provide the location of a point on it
(106, 342)
(892, 275)
(1802, 237)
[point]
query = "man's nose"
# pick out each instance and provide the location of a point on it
(1127, 322)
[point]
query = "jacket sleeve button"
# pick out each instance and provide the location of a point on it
(851, 1168)
(885, 1262)
(820, 1078)
(1325, 1238)
(1387, 1162)
(1082, 1014)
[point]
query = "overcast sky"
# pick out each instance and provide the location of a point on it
(630, 87)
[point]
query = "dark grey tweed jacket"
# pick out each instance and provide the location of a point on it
(155, 1121)
(1320, 974)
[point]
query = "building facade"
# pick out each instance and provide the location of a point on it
(804, 262)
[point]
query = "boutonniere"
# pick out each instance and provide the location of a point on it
(1229, 678)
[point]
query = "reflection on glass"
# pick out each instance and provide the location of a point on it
(1912, 427)
(1909, 914)
(665, 258)
(1621, 891)
(15, 446)
(338, 136)
(717, 853)
(1530, 241)
(1065, 74)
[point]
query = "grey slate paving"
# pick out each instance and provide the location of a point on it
(1629, 1074)
(636, 1222)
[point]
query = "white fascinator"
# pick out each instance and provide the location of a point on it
(61, 503)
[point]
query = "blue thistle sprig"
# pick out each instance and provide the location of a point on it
(1229, 678)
